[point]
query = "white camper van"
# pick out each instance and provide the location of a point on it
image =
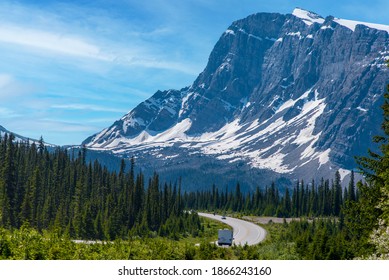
(225, 237)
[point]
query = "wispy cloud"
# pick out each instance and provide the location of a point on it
(51, 125)
(11, 89)
(7, 113)
(86, 107)
(139, 35)
(48, 41)
(53, 43)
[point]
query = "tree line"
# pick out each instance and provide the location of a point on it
(60, 190)
(325, 198)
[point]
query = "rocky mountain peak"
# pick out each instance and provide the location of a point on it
(296, 95)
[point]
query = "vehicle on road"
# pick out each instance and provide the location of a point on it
(244, 232)
(225, 237)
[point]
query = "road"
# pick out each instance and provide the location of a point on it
(244, 232)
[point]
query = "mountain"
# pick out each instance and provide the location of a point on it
(282, 97)
(20, 138)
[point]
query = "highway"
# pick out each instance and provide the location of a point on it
(244, 232)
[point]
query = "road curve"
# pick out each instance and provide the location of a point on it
(244, 232)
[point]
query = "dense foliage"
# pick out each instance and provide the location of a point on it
(309, 200)
(319, 239)
(54, 190)
(29, 243)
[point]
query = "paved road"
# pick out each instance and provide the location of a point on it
(244, 232)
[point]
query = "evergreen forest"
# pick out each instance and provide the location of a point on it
(55, 190)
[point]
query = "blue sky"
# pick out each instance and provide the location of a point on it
(71, 68)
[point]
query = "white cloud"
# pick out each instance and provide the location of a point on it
(65, 44)
(139, 54)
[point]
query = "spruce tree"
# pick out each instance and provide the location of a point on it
(8, 185)
(337, 195)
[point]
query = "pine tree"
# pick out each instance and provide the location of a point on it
(237, 205)
(337, 195)
(8, 185)
(287, 203)
(351, 188)
(313, 209)
(41, 145)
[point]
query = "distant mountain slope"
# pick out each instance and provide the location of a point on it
(20, 138)
(291, 96)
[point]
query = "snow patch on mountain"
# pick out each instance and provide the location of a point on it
(184, 103)
(175, 133)
(291, 102)
(343, 173)
(250, 35)
(352, 24)
(229, 32)
(324, 157)
(298, 34)
(308, 17)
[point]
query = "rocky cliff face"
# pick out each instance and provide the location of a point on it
(294, 95)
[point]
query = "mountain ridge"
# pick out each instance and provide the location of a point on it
(19, 137)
